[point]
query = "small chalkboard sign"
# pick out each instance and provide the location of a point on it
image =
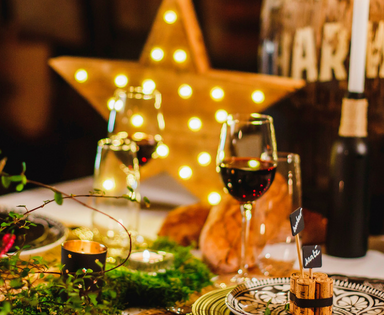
(312, 256)
(297, 221)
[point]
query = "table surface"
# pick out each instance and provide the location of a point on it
(165, 194)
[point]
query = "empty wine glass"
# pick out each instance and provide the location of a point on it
(116, 168)
(247, 160)
(279, 252)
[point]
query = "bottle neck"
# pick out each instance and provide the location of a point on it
(353, 122)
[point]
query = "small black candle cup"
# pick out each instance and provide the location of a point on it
(83, 255)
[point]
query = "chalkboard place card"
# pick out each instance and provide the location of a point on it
(297, 221)
(312, 256)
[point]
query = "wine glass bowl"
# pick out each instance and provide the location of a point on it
(136, 115)
(247, 160)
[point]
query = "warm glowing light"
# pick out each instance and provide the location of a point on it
(221, 155)
(131, 180)
(137, 120)
(179, 56)
(217, 93)
(214, 198)
(121, 80)
(111, 260)
(185, 91)
(221, 115)
(111, 103)
(162, 150)
(253, 163)
(258, 97)
(204, 158)
(122, 135)
(146, 255)
(81, 75)
(185, 172)
(195, 124)
(109, 184)
(119, 104)
(170, 17)
(148, 86)
(137, 136)
(157, 54)
(262, 229)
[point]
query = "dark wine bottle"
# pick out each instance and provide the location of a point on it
(348, 230)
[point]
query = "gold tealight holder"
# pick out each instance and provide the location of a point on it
(150, 261)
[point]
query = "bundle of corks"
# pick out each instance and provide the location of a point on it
(311, 295)
(216, 230)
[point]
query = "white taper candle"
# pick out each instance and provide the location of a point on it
(358, 46)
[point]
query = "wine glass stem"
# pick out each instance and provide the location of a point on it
(246, 216)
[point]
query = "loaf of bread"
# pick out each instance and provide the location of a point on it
(183, 225)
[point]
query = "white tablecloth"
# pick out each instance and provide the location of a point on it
(163, 189)
(159, 189)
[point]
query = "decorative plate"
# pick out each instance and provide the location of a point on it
(47, 234)
(349, 298)
(212, 303)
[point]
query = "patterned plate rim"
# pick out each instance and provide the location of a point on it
(41, 249)
(252, 285)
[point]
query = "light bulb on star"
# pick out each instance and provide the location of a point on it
(217, 93)
(221, 115)
(148, 86)
(121, 80)
(118, 105)
(258, 96)
(185, 91)
(204, 158)
(81, 75)
(157, 54)
(170, 17)
(185, 172)
(179, 55)
(195, 124)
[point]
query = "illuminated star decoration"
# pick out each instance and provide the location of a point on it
(196, 98)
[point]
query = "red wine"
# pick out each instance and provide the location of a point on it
(146, 147)
(247, 179)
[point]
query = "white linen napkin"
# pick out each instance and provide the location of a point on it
(369, 266)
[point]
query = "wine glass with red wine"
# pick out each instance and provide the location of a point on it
(247, 160)
(136, 115)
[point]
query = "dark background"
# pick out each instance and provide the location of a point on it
(48, 125)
